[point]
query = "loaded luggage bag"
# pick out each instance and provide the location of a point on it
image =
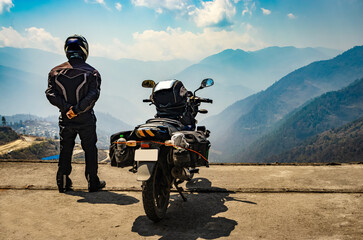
(120, 154)
(169, 98)
(196, 152)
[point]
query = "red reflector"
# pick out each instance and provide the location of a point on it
(145, 145)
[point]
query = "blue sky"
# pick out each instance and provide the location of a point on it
(180, 29)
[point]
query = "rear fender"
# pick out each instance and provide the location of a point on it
(146, 160)
(144, 170)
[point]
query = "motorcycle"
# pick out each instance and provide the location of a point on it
(168, 149)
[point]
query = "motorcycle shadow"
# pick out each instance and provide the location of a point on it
(192, 219)
(103, 197)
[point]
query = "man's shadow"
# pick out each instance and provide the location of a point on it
(104, 197)
(192, 219)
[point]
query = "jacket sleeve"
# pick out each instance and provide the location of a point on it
(92, 96)
(53, 95)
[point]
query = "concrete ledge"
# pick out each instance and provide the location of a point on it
(199, 190)
(212, 164)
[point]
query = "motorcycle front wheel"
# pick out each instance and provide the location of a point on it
(156, 194)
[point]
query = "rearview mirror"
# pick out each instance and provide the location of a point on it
(207, 83)
(148, 83)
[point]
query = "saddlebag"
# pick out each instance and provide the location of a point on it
(196, 154)
(120, 154)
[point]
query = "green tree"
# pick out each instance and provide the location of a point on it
(3, 120)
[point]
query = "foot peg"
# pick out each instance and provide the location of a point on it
(194, 170)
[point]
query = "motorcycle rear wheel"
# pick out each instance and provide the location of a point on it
(156, 194)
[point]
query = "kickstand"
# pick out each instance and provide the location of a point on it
(180, 190)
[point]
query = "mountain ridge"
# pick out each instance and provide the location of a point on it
(121, 92)
(325, 112)
(271, 105)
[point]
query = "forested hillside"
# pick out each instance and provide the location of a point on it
(330, 110)
(344, 144)
(7, 135)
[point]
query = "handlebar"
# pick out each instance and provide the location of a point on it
(146, 100)
(205, 100)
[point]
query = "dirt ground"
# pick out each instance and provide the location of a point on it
(233, 202)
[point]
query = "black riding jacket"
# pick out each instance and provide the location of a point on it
(77, 84)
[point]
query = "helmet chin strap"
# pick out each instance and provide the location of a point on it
(76, 55)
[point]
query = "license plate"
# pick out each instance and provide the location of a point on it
(147, 155)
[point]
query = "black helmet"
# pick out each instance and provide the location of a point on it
(75, 46)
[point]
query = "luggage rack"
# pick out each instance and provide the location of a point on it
(166, 120)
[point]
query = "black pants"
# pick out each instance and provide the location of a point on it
(88, 138)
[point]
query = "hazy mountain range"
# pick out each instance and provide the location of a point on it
(257, 128)
(251, 118)
(237, 74)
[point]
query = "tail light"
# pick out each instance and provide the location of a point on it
(145, 145)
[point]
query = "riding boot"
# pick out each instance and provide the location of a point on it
(94, 183)
(64, 183)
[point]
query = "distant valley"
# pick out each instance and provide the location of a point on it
(271, 105)
(48, 127)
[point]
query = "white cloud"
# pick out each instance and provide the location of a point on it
(175, 43)
(150, 45)
(118, 6)
(249, 7)
(266, 11)
(32, 38)
(100, 2)
(5, 5)
(291, 16)
(158, 5)
(216, 13)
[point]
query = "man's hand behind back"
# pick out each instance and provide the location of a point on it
(70, 114)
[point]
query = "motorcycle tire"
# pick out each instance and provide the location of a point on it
(156, 194)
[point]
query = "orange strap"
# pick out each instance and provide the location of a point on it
(169, 145)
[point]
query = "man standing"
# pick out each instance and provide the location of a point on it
(74, 88)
